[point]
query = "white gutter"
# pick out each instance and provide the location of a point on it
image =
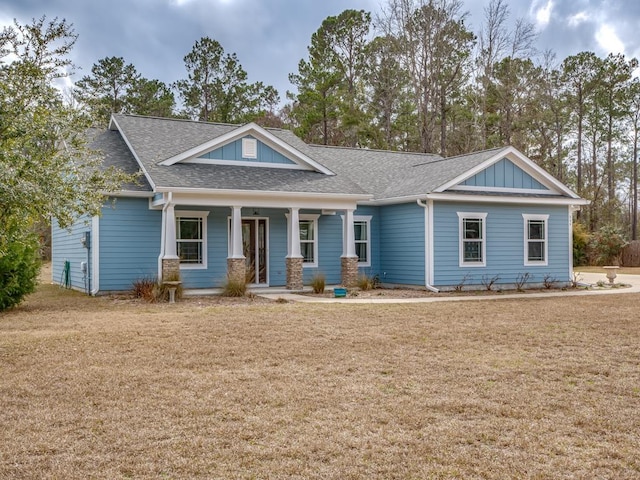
(427, 244)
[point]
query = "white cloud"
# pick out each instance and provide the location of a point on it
(608, 39)
(543, 14)
(578, 18)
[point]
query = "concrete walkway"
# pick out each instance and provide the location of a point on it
(586, 279)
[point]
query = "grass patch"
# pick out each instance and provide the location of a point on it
(100, 388)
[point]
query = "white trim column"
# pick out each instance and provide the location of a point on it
(349, 259)
(294, 259)
(170, 252)
(293, 237)
(236, 233)
(348, 236)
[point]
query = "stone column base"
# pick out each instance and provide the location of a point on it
(170, 269)
(294, 273)
(237, 270)
(349, 271)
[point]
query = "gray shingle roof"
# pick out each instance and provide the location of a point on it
(117, 154)
(388, 174)
(382, 174)
(157, 139)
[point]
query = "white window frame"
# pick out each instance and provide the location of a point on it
(462, 216)
(249, 148)
(544, 218)
(367, 221)
(202, 215)
(306, 217)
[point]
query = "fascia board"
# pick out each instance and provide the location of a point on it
(505, 199)
(113, 125)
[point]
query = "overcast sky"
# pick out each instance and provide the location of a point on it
(271, 36)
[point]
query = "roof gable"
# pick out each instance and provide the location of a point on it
(503, 174)
(507, 171)
(272, 151)
(233, 153)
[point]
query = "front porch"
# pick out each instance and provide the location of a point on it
(264, 245)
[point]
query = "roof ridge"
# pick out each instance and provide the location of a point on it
(199, 122)
(364, 149)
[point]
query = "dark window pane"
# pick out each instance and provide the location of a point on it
(536, 252)
(190, 252)
(306, 230)
(473, 251)
(360, 229)
(472, 228)
(306, 250)
(361, 251)
(536, 229)
(190, 229)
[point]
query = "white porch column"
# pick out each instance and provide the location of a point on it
(170, 252)
(293, 237)
(236, 233)
(348, 236)
(349, 259)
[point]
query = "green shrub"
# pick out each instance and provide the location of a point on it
(581, 240)
(19, 265)
(318, 283)
(606, 246)
(234, 288)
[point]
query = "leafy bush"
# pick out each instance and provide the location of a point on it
(318, 283)
(606, 246)
(19, 265)
(581, 240)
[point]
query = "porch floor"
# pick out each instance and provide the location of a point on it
(195, 292)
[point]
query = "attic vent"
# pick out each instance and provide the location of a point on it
(249, 148)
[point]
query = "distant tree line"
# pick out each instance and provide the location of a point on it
(416, 78)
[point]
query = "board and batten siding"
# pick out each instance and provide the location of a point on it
(504, 174)
(129, 243)
(505, 244)
(402, 243)
(66, 245)
(233, 151)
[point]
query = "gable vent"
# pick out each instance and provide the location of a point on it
(249, 148)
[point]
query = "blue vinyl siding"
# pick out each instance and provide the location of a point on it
(504, 174)
(65, 245)
(233, 151)
(402, 244)
(129, 243)
(504, 244)
(330, 246)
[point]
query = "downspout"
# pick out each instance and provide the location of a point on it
(427, 257)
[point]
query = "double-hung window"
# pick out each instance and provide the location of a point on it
(362, 237)
(472, 241)
(535, 239)
(309, 240)
(191, 239)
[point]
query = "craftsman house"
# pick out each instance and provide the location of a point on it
(216, 201)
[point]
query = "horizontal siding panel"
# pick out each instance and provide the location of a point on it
(402, 244)
(504, 244)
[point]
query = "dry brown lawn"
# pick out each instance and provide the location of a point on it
(105, 388)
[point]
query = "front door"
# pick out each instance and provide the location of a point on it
(254, 248)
